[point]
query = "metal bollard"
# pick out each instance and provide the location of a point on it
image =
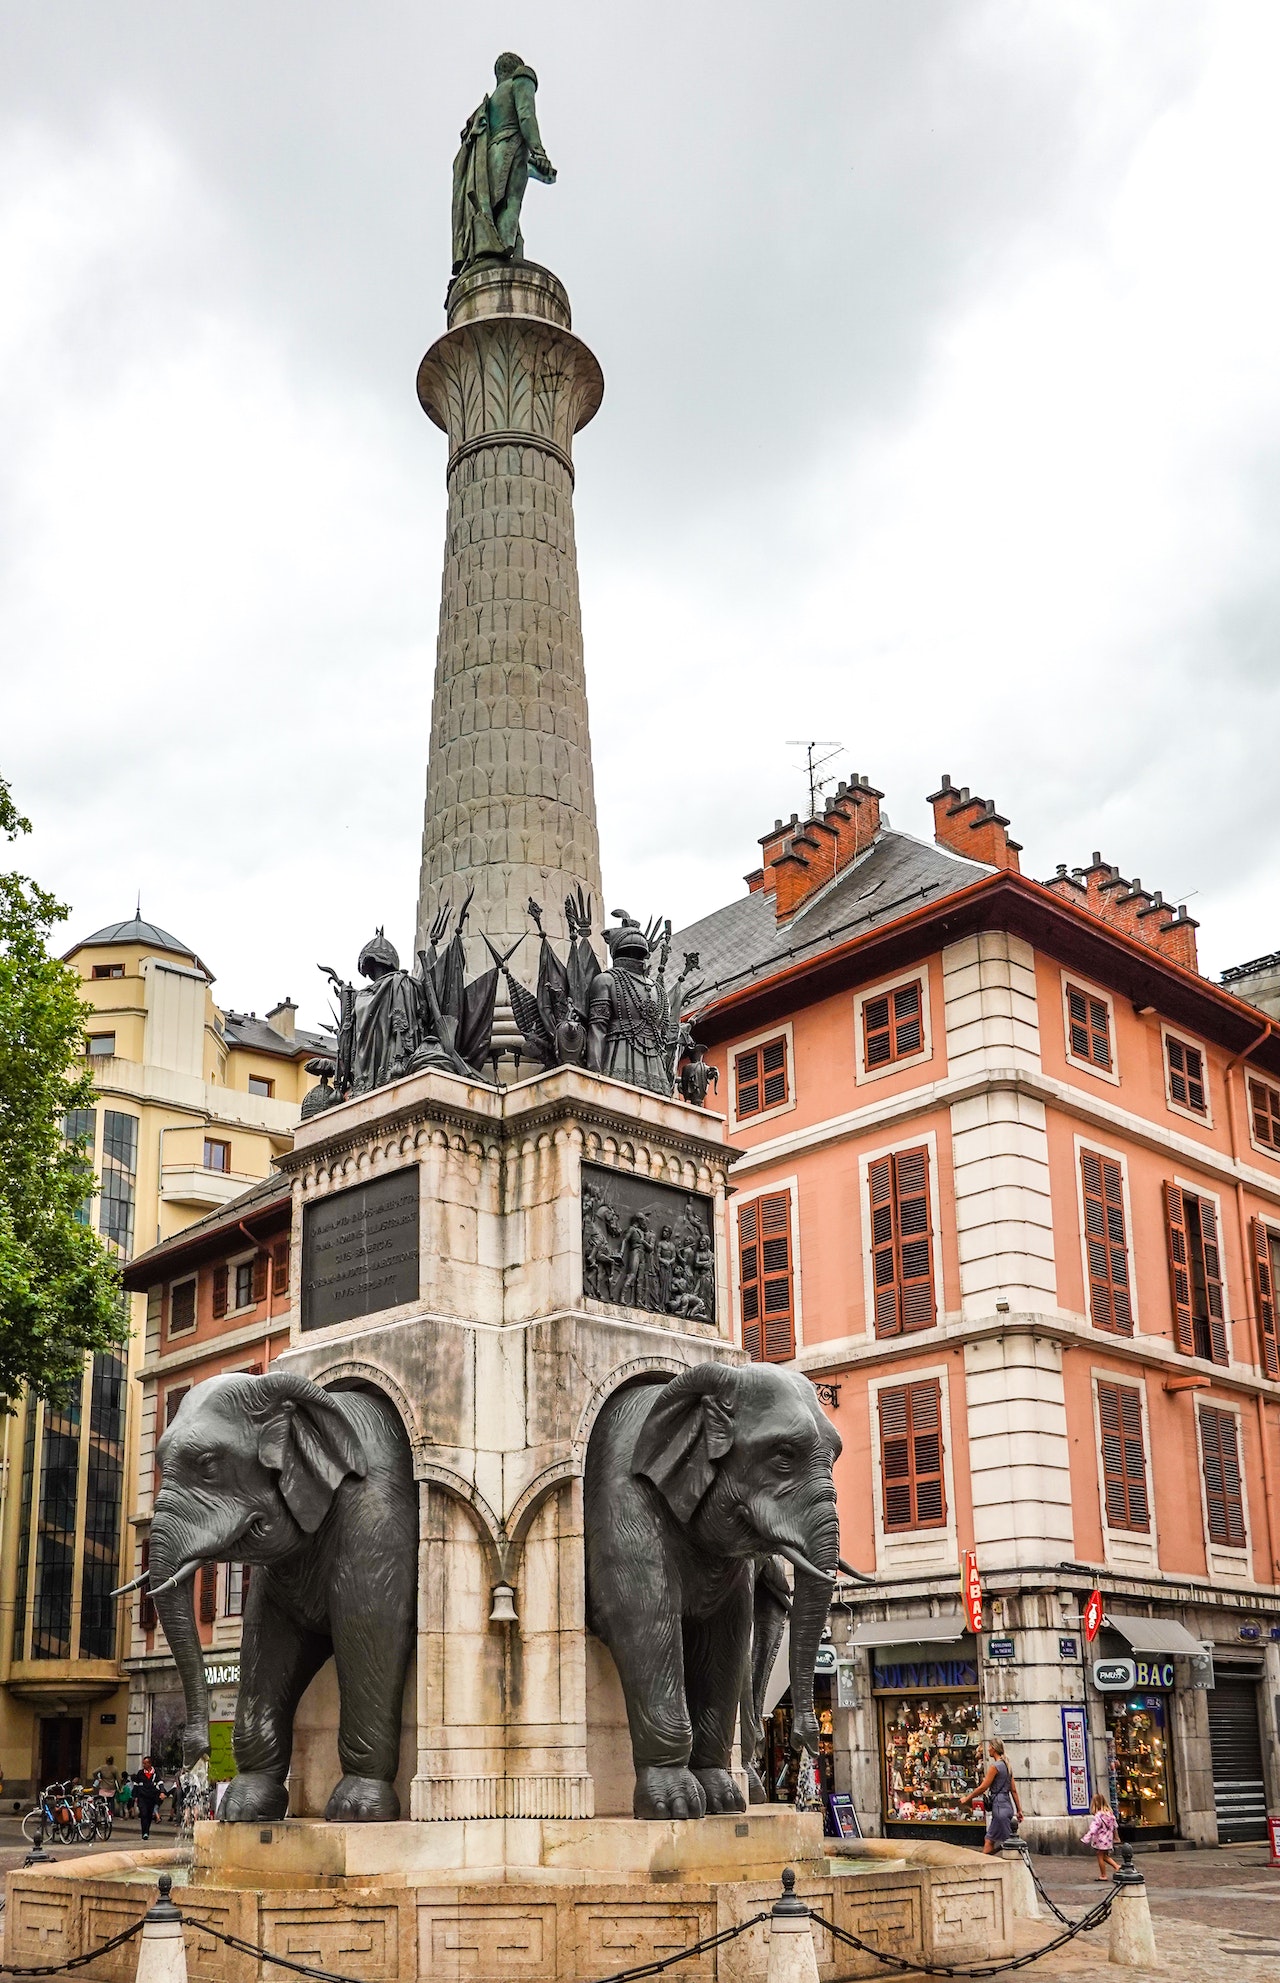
(162, 1952)
(37, 1855)
(1132, 1942)
(1026, 1903)
(791, 1953)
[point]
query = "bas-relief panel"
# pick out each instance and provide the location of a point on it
(366, 1936)
(478, 1942)
(647, 1245)
(624, 1934)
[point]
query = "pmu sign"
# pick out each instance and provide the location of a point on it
(1121, 1676)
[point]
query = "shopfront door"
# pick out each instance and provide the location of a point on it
(930, 1729)
(61, 1740)
(1140, 1764)
(1235, 1745)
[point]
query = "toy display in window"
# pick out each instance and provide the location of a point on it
(932, 1759)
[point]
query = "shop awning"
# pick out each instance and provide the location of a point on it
(1153, 1635)
(912, 1631)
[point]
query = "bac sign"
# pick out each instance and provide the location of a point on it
(972, 1592)
(1093, 1616)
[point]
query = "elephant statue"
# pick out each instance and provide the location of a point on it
(315, 1490)
(691, 1486)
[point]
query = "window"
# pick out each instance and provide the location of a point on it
(207, 1606)
(765, 1272)
(108, 970)
(893, 1025)
(1195, 1274)
(280, 1270)
(237, 1588)
(1124, 1460)
(172, 1399)
(182, 1307)
(1264, 1108)
(1266, 1269)
(1220, 1454)
(81, 1126)
(259, 1085)
(901, 1242)
(911, 1456)
(244, 1284)
(100, 1045)
(104, 1489)
(148, 1617)
(1186, 1075)
(217, 1156)
(219, 1293)
(760, 1077)
(119, 1175)
(1105, 1243)
(1088, 1028)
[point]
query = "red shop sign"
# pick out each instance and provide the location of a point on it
(1093, 1616)
(972, 1591)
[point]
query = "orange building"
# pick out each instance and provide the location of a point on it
(1010, 1195)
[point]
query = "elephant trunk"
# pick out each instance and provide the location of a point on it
(810, 1600)
(177, 1612)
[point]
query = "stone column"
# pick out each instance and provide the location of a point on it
(510, 800)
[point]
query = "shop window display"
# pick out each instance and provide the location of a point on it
(783, 1764)
(1140, 1763)
(932, 1753)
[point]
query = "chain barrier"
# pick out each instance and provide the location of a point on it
(75, 1961)
(654, 1968)
(1093, 1919)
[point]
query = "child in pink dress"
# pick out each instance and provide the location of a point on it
(1100, 1833)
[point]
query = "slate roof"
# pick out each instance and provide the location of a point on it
(744, 940)
(245, 1029)
(135, 930)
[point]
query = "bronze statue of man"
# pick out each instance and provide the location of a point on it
(501, 148)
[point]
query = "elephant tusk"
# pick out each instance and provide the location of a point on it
(803, 1564)
(182, 1576)
(847, 1570)
(136, 1585)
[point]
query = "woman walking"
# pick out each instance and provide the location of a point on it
(999, 1785)
(147, 1793)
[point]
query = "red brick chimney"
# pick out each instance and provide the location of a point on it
(1127, 905)
(972, 827)
(799, 857)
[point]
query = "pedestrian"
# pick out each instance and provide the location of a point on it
(107, 1783)
(124, 1796)
(147, 1793)
(999, 1785)
(1100, 1833)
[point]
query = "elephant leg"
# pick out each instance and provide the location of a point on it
(648, 1653)
(372, 1655)
(277, 1661)
(717, 1651)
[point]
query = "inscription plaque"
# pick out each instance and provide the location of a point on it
(647, 1245)
(360, 1250)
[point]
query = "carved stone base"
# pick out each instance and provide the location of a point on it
(502, 1797)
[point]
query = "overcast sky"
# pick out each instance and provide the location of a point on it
(942, 418)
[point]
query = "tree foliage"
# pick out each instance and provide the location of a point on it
(60, 1293)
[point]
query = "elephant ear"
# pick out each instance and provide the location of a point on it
(689, 1430)
(307, 1441)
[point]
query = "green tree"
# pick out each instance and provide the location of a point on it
(60, 1294)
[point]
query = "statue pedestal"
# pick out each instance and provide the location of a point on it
(461, 1246)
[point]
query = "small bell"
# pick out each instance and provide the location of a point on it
(503, 1611)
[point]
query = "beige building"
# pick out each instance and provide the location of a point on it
(193, 1103)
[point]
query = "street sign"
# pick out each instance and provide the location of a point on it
(1093, 1616)
(1068, 1649)
(1001, 1649)
(972, 1591)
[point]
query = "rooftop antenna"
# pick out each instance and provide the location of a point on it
(813, 765)
(137, 914)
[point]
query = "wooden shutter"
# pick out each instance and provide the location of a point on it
(1105, 1243)
(893, 1025)
(172, 1399)
(148, 1617)
(911, 1456)
(1186, 1075)
(1264, 1107)
(1179, 1269)
(261, 1271)
(760, 1076)
(1089, 1027)
(901, 1242)
(182, 1306)
(1224, 1502)
(208, 1605)
(765, 1276)
(1265, 1296)
(280, 1270)
(219, 1293)
(1124, 1463)
(1213, 1282)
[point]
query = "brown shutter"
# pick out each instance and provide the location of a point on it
(901, 1242)
(172, 1399)
(1089, 1027)
(764, 1275)
(208, 1605)
(1124, 1465)
(1179, 1270)
(261, 1270)
(1213, 1283)
(280, 1270)
(1264, 1106)
(1219, 1445)
(1264, 1290)
(893, 1025)
(911, 1456)
(219, 1293)
(1105, 1243)
(747, 1076)
(877, 1034)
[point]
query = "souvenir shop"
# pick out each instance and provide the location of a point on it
(929, 1718)
(781, 1762)
(1139, 1736)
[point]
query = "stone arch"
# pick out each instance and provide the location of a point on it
(665, 1363)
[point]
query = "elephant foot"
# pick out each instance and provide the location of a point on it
(254, 1799)
(362, 1800)
(720, 1791)
(667, 1790)
(756, 1792)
